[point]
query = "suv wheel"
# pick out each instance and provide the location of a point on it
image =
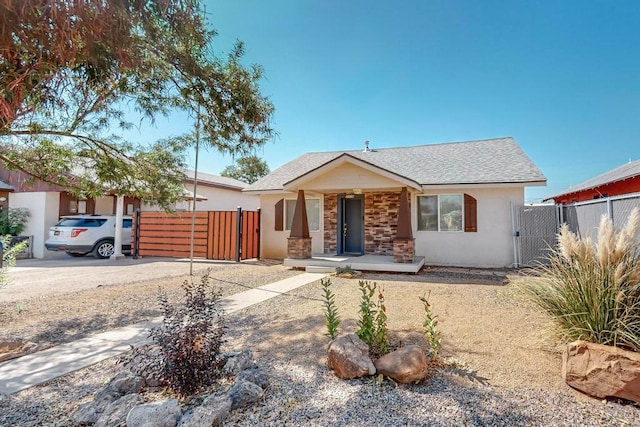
(104, 249)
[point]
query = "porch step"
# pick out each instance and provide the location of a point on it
(319, 269)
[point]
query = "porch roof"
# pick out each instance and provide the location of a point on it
(5, 187)
(490, 161)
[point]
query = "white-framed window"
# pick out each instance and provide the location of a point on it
(442, 212)
(313, 213)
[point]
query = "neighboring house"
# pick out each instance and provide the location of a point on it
(450, 203)
(5, 189)
(215, 193)
(622, 180)
(47, 203)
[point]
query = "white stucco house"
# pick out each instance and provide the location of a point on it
(449, 203)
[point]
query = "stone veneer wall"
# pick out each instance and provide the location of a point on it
(330, 223)
(299, 247)
(380, 222)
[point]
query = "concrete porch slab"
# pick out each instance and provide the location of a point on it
(361, 263)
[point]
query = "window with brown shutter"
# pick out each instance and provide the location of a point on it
(279, 215)
(470, 214)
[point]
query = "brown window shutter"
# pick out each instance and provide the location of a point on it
(470, 213)
(279, 223)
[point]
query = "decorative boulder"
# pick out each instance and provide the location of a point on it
(244, 393)
(212, 412)
(349, 357)
(115, 414)
(164, 413)
(405, 365)
(602, 371)
(238, 362)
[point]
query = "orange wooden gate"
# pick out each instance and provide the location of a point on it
(218, 235)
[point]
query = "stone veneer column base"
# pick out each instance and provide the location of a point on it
(299, 247)
(404, 250)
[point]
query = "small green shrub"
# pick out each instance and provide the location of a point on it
(591, 290)
(366, 324)
(430, 327)
(330, 309)
(9, 254)
(12, 222)
(346, 270)
(190, 338)
(381, 338)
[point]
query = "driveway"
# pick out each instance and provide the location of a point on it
(61, 274)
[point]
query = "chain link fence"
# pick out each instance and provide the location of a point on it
(583, 218)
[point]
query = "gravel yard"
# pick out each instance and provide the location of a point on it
(502, 370)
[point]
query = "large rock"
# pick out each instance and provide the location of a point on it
(238, 362)
(127, 383)
(349, 357)
(254, 374)
(164, 413)
(89, 413)
(212, 412)
(244, 393)
(406, 365)
(115, 414)
(602, 371)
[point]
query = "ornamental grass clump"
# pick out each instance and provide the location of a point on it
(591, 290)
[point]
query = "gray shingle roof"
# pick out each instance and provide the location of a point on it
(216, 180)
(625, 171)
(5, 187)
(487, 161)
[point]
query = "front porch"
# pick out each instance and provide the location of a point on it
(382, 263)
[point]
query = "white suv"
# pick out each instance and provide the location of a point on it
(79, 235)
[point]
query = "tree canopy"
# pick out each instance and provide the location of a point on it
(247, 169)
(71, 73)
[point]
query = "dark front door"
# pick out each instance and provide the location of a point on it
(352, 222)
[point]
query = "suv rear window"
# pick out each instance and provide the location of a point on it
(81, 222)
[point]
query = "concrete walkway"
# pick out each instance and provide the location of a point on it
(37, 368)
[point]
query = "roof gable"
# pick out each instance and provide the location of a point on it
(337, 163)
(491, 161)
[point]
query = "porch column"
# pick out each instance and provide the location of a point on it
(404, 247)
(117, 240)
(299, 241)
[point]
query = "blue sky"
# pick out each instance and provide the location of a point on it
(561, 77)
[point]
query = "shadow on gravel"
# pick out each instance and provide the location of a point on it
(446, 278)
(63, 331)
(304, 391)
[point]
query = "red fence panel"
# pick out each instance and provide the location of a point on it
(215, 234)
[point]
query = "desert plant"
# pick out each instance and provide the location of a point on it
(591, 290)
(330, 309)
(381, 335)
(366, 324)
(9, 254)
(346, 270)
(190, 338)
(430, 327)
(13, 220)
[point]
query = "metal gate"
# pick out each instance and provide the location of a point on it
(534, 232)
(217, 235)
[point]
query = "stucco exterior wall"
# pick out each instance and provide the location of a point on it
(43, 207)
(490, 246)
(218, 199)
(273, 244)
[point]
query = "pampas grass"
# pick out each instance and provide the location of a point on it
(591, 290)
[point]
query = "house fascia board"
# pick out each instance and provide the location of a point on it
(485, 185)
(298, 182)
(213, 184)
